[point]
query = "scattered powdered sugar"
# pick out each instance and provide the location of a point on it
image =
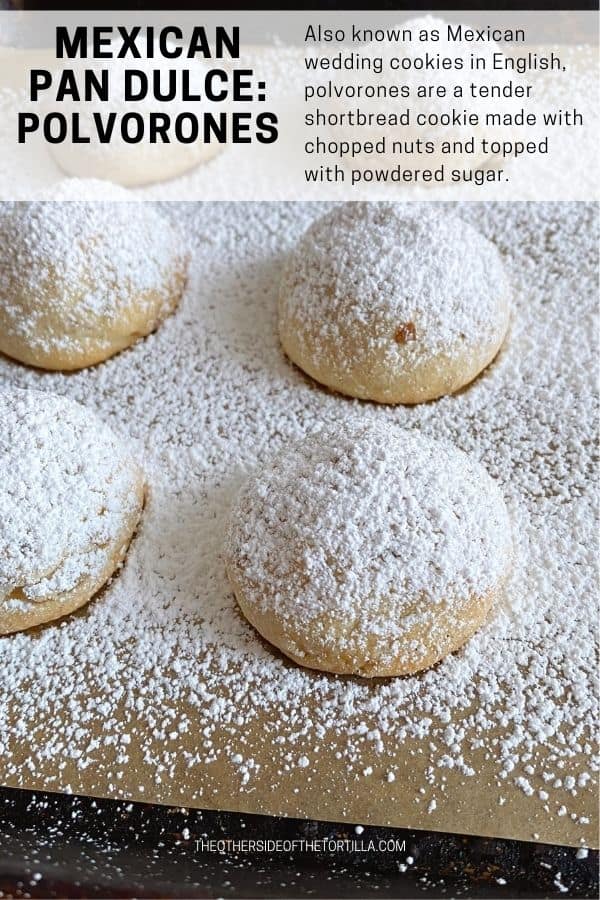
(384, 529)
(66, 486)
(164, 659)
(93, 190)
(47, 256)
(367, 267)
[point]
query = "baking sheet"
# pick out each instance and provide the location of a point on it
(130, 699)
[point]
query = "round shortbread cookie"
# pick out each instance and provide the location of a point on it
(392, 305)
(141, 161)
(369, 550)
(71, 498)
(80, 281)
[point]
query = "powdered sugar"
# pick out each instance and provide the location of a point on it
(91, 190)
(210, 398)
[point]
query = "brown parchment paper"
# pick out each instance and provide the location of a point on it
(479, 805)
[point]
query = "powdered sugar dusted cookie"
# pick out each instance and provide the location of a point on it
(80, 281)
(392, 305)
(71, 497)
(143, 161)
(369, 550)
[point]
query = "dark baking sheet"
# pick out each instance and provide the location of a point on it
(54, 845)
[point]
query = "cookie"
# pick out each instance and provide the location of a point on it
(136, 154)
(369, 550)
(71, 498)
(81, 281)
(393, 305)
